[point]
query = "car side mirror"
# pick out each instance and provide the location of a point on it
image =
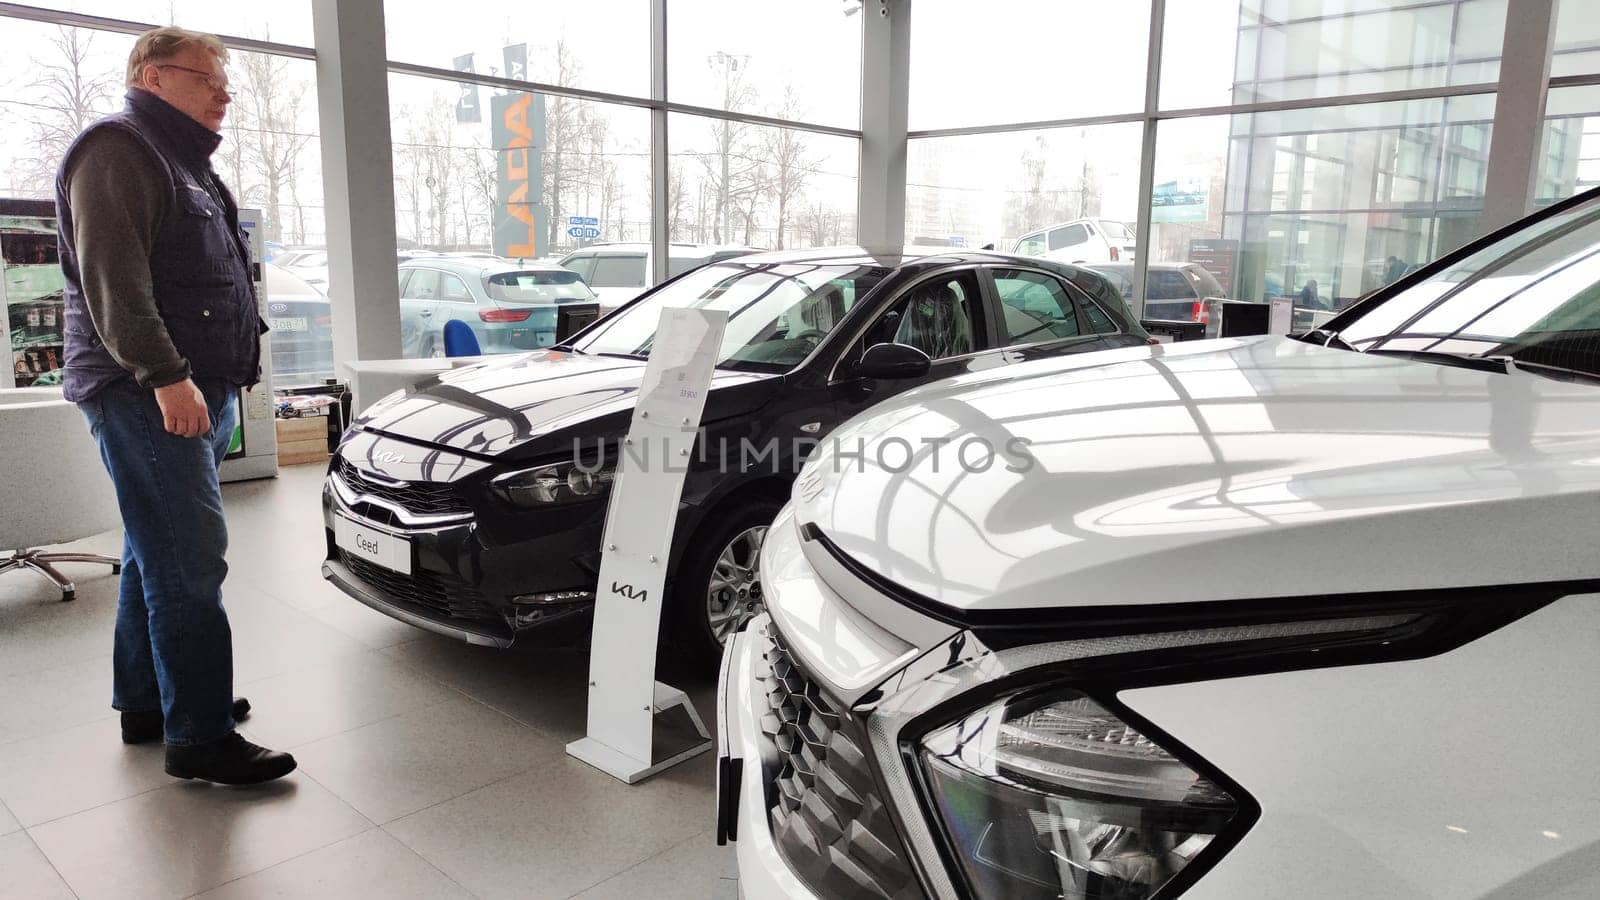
(893, 361)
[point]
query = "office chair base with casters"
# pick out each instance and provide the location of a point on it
(40, 562)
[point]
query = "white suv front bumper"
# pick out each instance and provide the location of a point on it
(763, 873)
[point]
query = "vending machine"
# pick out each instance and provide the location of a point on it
(253, 452)
(31, 286)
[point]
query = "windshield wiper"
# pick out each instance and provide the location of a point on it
(566, 348)
(1545, 370)
(1497, 364)
(624, 355)
(1324, 337)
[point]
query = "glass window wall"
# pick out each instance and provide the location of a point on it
(287, 22)
(1023, 191)
(1322, 205)
(1025, 61)
(736, 184)
(597, 45)
(1226, 52)
(725, 54)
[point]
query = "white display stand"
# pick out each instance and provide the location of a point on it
(638, 726)
(257, 422)
(1280, 315)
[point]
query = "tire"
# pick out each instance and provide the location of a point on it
(700, 623)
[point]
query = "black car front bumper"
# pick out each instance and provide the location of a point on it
(463, 583)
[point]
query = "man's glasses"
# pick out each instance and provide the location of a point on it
(217, 85)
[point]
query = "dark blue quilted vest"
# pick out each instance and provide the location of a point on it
(199, 262)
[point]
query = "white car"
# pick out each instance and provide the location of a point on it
(618, 273)
(1310, 617)
(1079, 241)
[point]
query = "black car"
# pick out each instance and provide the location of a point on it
(487, 486)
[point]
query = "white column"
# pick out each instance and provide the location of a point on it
(1147, 158)
(357, 178)
(1514, 147)
(885, 99)
(660, 163)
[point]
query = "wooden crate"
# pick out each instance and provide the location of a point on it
(302, 441)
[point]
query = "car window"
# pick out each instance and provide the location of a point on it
(677, 265)
(618, 271)
(583, 265)
(452, 289)
(424, 285)
(1168, 284)
(1032, 245)
(1068, 236)
(942, 317)
(1102, 295)
(1115, 230)
(543, 286)
(402, 285)
(1035, 307)
(777, 313)
(1099, 322)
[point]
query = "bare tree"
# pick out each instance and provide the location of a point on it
(566, 122)
(734, 166)
(68, 95)
(675, 201)
(821, 225)
(270, 100)
(786, 148)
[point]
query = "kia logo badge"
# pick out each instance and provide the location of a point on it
(389, 456)
(278, 307)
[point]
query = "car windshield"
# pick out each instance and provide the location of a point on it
(537, 287)
(777, 313)
(1532, 296)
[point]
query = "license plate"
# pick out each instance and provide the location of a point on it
(377, 547)
(287, 323)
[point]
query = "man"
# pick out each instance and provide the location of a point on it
(161, 332)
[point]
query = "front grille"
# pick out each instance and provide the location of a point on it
(442, 595)
(828, 820)
(423, 498)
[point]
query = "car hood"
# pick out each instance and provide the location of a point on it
(1248, 468)
(539, 403)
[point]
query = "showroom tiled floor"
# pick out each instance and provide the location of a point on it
(427, 768)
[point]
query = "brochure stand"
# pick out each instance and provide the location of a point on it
(637, 725)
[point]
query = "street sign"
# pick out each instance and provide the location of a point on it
(583, 232)
(582, 220)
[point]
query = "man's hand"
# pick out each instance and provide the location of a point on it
(183, 409)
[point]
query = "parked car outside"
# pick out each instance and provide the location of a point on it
(1311, 617)
(312, 267)
(1079, 241)
(619, 272)
(301, 320)
(490, 485)
(509, 307)
(1174, 292)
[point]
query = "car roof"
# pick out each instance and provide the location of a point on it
(673, 249)
(475, 265)
(863, 256)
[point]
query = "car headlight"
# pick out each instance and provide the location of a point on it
(1055, 796)
(553, 485)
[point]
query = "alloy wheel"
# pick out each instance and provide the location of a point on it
(734, 594)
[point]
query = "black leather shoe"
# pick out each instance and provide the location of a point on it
(146, 727)
(231, 760)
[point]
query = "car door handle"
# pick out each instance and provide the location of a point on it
(425, 313)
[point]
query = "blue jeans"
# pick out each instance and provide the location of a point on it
(173, 648)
